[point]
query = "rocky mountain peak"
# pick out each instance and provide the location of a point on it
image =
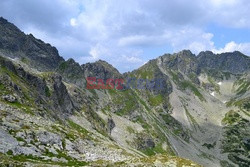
(202, 53)
(186, 53)
(3, 21)
(36, 53)
(71, 61)
(100, 69)
(71, 72)
(184, 61)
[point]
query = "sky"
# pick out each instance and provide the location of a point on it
(128, 33)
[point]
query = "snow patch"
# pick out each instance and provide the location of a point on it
(213, 93)
(219, 83)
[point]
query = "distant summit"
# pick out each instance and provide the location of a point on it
(234, 62)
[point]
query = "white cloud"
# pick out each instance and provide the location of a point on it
(189, 38)
(97, 51)
(140, 40)
(73, 22)
(230, 13)
(132, 59)
(232, 46)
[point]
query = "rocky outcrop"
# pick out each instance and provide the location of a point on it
(35, 82)
(60, 96)
(184, 61)
(15, 44)
(49, 138)
(9, 98)
(72, 72)
(144, 141)
(7, 141)
(41, 93)
(111, 125)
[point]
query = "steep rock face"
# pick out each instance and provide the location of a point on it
(22, 82)
(150, 71)
(234, 62)
(38, 83)
(36, 53)
(14, 71)
(61, 98)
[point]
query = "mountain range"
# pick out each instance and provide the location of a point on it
(48, 117)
